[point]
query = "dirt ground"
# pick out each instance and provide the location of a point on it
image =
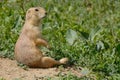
(9, 70)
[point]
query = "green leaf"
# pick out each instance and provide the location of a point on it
(71, 36)
(93, 33)
(100, 46)
(118, 48)
(17, 23)
(85, 35)
(85, 71)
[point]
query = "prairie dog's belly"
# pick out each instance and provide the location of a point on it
(26, 51)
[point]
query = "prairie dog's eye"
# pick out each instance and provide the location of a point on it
(36, 10)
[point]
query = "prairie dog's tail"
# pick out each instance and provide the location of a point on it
(63, 61)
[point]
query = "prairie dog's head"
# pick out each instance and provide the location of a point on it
(35, 14)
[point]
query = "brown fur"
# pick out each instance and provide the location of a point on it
(26, 48)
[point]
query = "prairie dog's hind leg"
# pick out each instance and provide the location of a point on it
(47, 62)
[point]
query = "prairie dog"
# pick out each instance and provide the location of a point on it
(26, 47)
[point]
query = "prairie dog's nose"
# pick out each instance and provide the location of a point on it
(45, 13)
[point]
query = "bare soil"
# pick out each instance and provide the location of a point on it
(9, 70)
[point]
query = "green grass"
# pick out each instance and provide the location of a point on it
(85, 31)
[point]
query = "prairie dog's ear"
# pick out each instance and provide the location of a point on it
(28, 15)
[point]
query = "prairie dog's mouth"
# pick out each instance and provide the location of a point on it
(44, 16)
